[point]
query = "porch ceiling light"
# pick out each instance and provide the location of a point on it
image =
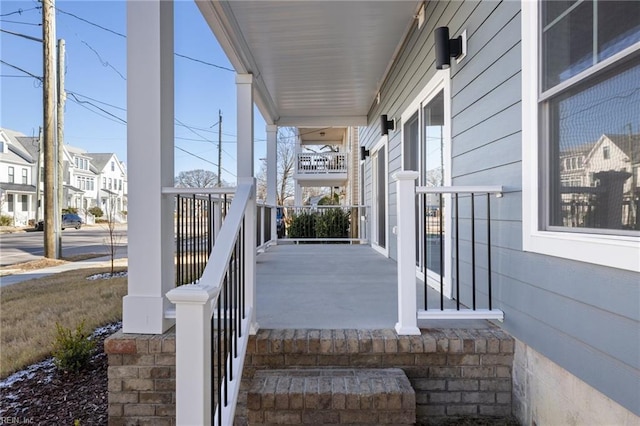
(446, 48)
(386, 124)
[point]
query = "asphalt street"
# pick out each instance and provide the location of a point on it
(25, 246)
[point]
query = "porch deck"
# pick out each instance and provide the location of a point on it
(333, 286)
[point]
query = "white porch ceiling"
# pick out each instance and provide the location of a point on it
(315, 63)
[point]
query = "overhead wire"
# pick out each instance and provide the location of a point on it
(20, 11)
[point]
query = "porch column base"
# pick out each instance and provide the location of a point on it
(145, 314)
(407, 331)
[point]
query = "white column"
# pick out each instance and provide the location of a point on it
(297, 197)
(250, 243)
(150, 116)
(272, 175)
(244, 86)
(407, 298)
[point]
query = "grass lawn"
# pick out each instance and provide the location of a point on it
(29, 312)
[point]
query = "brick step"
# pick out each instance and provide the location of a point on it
(331, 396)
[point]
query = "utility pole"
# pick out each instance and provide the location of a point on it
(38, 177)
(219, 147)
(51, 216)
(62, 97)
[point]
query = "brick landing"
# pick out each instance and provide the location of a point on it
(454, 372)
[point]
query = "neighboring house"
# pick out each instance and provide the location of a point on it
(89, 180)
(533, 79)
(17, 189)
(112, 182)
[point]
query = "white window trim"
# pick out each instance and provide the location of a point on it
(613, 251)
(382, 145)
(440, 81)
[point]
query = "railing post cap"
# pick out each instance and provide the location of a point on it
(189, 293)
(406, 175)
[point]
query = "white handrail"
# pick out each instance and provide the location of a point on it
(194, 309)
(220, 191)
(488, 189)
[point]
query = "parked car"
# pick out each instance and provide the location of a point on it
(280, 225)
(69, 220)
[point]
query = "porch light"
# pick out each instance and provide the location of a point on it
(446, 48)
(364, 153)
(386, 124)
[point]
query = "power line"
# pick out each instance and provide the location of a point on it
(91, 23)
(95, 106)
(39, 40)
(124, 36)
(20, 11)
(103, 62)
(21, 70)
(204, 62)
(96, 100)
(20, 22)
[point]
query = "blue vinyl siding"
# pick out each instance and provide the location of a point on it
(584, 317)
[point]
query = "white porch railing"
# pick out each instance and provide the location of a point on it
(434, 218)
(214, 319)
(265, 225)
(324, 162)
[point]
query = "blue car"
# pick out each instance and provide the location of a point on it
(280, 225)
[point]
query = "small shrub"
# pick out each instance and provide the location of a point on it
(303, 225)
(72, 349)
(96, 211)
(6, 220)
(73, 210)
(333, 223)
(101, 220)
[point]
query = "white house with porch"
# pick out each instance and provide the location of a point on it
(462, 131)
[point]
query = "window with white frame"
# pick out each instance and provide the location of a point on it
(25, 176)
(24, 202)
(10, 203)
(581, 100)
(11, 174)
(590, 109)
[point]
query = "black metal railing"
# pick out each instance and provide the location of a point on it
(198, 217)
(226, 326)
(470, 226)
(263, 224)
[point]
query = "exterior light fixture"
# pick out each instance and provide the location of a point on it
(364, 153)
(386, 124)
(447, 48)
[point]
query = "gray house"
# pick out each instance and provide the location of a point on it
(465, 134)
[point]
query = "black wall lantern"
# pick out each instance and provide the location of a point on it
(446, 48)
(386, 124)
(364, 153)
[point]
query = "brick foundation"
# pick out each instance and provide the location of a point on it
(142, 378)
(455, 373)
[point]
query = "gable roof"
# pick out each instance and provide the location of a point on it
(16, 152)
(629, 144)
(100, 159)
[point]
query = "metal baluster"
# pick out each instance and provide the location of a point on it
(457, 257)
(440, 218)
(178, 242)
(473, 249)
(424, 248)
(219, 341)
(489, 246)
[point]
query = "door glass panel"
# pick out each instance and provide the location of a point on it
(433, 175)
(381, 201)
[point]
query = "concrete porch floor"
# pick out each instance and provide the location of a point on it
(333, 286)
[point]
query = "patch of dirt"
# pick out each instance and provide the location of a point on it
(30, 266)
(44, 395)
(45, 263)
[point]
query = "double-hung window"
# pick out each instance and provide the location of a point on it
(581, 130)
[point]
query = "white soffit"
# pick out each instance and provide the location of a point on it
(315, 63)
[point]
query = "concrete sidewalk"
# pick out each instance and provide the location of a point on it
(98, 262)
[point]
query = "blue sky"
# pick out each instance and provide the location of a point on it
(96, 73)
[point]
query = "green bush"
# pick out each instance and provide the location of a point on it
(6, 220)
(73, 210)
(72, 349)
(96, 211)
(302, 225)
(333, 223)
